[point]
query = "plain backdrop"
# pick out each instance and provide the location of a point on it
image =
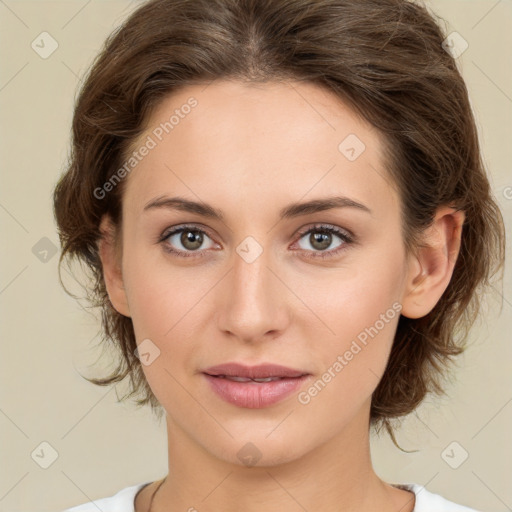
(92, 445)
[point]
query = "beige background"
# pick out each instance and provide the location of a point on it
(47, 338)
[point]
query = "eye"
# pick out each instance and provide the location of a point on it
(187, 239)
(321, 237)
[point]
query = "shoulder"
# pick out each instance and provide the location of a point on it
(427, 501)
(122, 501)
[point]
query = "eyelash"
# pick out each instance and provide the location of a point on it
(326, 228)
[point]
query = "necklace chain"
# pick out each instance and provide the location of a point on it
(154, 494)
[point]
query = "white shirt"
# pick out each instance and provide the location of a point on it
(124, 501)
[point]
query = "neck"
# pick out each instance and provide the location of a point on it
(335, 477)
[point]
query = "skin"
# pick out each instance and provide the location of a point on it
(250, 150)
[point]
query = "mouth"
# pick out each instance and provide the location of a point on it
(260, 373)
(247, 379)
(254, 387)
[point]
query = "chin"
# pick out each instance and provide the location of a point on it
(252, 451)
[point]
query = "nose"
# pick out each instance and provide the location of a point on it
(254, 304)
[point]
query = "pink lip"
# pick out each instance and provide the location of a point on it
(254, 372)
(251, 394)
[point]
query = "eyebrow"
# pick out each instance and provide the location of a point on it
(290, 211)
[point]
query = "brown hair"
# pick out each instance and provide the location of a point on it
(384, 58)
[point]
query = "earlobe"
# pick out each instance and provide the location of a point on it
(111, 264)
(431, 269)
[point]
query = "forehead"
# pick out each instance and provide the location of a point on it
(274, 141)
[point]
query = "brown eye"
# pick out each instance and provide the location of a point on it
(321, 237)
(320, 241)
(186, 241)
(191, 239)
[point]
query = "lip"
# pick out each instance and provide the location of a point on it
(251, 394)
(254, 372)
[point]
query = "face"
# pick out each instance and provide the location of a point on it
(318, 290)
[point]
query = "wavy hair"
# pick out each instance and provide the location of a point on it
(385, 58)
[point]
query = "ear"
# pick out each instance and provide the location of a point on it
(430, 270)
(110, 256)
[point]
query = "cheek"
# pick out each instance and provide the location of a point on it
(167, 304)
(346, 301)
(160, 294)
(353, 362)
(359, 309)
(162, 301)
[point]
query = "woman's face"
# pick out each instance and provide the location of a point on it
(252, 287)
